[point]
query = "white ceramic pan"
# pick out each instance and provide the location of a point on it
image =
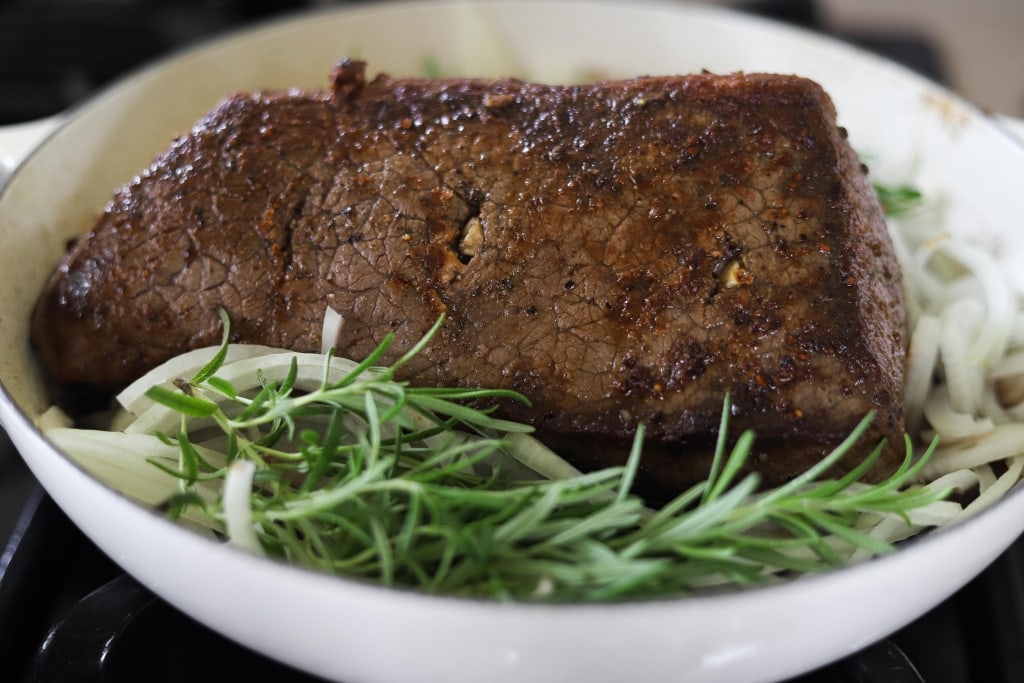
(348, 631)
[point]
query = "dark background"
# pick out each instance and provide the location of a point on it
(55, 52)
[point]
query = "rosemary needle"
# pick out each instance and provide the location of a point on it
(368, 477)
(898, 200)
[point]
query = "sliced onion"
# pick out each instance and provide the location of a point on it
(951, 424)
(997, 489)
(960, 320)
(242, 374)
(331, 329)
(238, 506)
(539, 458)
(1005, 441)
(53, 418)
(121, 461)
(133, 397)
(991, 344)
(1009, 366)
(921, 358)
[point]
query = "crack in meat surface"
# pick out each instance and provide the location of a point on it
(620, 252)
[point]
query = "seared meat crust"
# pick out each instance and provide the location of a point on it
(620, 252)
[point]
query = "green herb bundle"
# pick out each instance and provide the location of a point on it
(898, 200)
(371, 478)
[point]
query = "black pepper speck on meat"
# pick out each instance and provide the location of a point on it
(621, 252)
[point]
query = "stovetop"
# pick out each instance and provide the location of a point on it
(68, 613)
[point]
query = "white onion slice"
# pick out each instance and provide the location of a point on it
(960, 320)
(133, 397)
(331, 329)
(242, 374)
(953, 425)
(1005, 441)
(121, 461)
(990, 345)
(922, 355)
(997, 489)
(238, 506)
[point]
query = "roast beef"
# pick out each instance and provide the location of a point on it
(620, 252)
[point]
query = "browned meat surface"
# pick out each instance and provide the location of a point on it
(621, 252)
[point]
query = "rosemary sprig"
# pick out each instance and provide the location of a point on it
(369, 477)
(898, 200)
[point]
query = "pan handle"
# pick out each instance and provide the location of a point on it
(18, 140)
